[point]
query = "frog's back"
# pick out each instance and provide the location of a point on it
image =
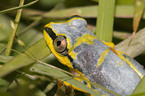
(102, 66)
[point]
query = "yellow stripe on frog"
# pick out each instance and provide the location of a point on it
(131, 65)
(101, 59)
(134, 68)
(87, 38)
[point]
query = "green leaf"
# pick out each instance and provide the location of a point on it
(140, 90)
(4, 59)
(37, 51)
(139, 8)
(3, 33)
(136, 46)
(105, 20)
(29, 37)
(49, 87)
(26, 85)
(3, 85)
(4, 93)
(121, 11)
(125, 2)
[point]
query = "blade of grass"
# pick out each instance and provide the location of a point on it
(136, 47)
(105, 20)
(4, 59)
(28, 27)
(38, 51)
(121, 35)
(116, 34)
(139, 7)
(49, 87)
(11, 49)
(19, 7)
(140, 90)
(12, 35)
(3, 85)
(121, 11)
(121, 2)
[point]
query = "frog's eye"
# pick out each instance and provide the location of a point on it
(60, 45)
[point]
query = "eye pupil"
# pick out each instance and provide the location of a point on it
(58, 43)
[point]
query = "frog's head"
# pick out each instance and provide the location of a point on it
(62, 38)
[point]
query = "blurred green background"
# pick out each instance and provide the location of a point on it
(20, 80)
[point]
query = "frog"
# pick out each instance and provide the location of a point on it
(75, 46)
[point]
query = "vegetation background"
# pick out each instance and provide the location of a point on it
(26, 66)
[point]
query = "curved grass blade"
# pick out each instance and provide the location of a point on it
(139, 8)
(19, 7)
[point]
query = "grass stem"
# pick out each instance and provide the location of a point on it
(12, 35)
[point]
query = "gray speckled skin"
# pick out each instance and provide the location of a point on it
(121, 79)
